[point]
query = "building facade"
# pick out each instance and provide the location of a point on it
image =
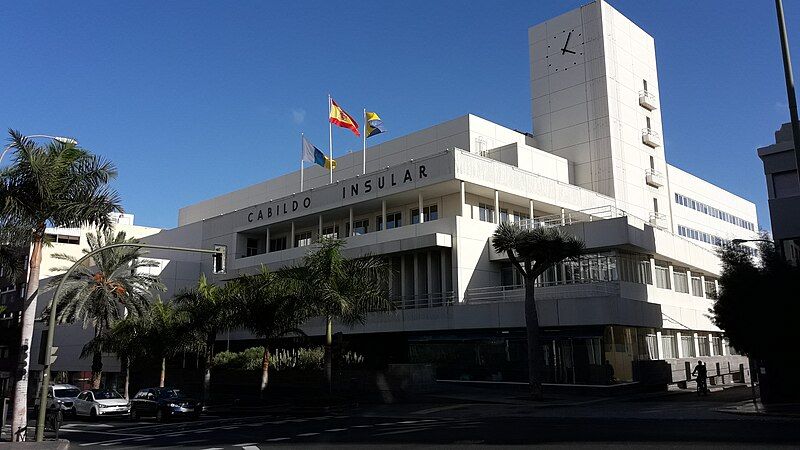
(430, 201)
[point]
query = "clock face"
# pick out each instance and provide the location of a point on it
(565, 50)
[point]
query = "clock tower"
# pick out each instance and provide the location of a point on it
(595, 102)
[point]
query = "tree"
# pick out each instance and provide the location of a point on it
(106, 292)
(209, 309)
(341, 289)
(58, 185)
(164, 336)
(126, 339)
(532, 251)
(268, 310)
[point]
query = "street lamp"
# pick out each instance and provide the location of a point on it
(63, 140)
(219, 253)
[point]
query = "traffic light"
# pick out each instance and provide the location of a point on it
(53, 355)
(219, 258)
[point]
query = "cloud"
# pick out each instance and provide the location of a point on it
(781, 106)
(298, 115)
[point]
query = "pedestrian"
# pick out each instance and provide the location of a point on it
(702, 378)
(609, 372)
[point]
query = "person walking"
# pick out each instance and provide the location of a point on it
(702, 378)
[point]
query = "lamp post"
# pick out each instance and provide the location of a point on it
(787, 73)
(219, 253)
(63, 140)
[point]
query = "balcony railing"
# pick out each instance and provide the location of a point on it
(432, 300)
(572, 217)
(654, 178)
(651, 137)
(647, 100)
(544, 291)
(658, 220)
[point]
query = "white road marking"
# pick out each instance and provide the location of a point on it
(213, 448)
(278, 439)
(362, 426)
(247, 444)
(333, 430)
(109, 443)
(410, 430)
(307, 434)
(440, 408)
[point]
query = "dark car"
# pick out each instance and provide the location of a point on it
(163, 404)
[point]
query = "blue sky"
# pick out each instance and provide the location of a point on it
(193, 99)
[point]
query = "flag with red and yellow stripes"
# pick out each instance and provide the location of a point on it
(339, 117)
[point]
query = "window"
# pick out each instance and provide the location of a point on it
(716, 346)
(713, 212)
(662, 275)
(430, 212)
(670, 344)
(681, 282)
(644, 85)
(360, 226)
(277, 244)
(711, 289)
(703, 346)
(331, 232)
(302, 239)
(687, 345)
(252, 247)
(485, 212)
(394, 220)
(652, 163)
(648, 123)
(378, 223)
(504, 215)
(520, 216)
(697, 287)
(652, 345)
(655, 204)
(63, 239)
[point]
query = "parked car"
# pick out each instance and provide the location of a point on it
(64, 396)
(163, 404)
(101, 402)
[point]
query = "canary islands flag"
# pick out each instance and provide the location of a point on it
(314, 155)
(374, 124)
(339, 117)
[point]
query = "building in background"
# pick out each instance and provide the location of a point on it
(430, 201)
(783, 191)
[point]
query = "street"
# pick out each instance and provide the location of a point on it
(677, 418)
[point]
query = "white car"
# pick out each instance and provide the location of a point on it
(101, 402)
(63, 395)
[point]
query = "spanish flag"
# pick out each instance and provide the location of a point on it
(339, 117)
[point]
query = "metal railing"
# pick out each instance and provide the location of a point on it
(431, 300)
(647, 99)
(572, 217)
(543, 291)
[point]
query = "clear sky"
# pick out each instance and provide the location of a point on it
(193, 99)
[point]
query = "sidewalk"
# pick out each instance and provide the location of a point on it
(759, 409)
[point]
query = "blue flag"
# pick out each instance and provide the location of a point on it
(314, 155)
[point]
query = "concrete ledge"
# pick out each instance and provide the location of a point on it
(60, 444)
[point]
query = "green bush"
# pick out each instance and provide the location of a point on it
(301, 359)
(250, 359)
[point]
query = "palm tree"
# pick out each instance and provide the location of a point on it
(532, 251)
(209, 310)
(105, 293)
(342, 289)
(126, 339)
(164, 334)
(56, 185)
(268, 310)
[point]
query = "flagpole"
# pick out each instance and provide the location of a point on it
(364, 152)
(301, 162)
(330, 137)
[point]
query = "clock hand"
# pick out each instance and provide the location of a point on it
(567, 41)
(568, 51)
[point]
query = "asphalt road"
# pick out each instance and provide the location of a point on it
(682, 419)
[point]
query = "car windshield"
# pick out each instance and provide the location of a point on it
(106, 395)
(68, 392)
(171, 393)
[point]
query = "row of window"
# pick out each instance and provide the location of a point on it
(680, 281)
(713, 212)
(486, 214)
(706, 347)
(709, 238)
(360, 226)
(63, 239)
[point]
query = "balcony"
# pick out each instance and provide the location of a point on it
(552, 291)
(651, 137)
(647, 100)
(654, 178)
(572, 217)
(658, 220)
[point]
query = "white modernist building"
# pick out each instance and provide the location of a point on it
(429, 202)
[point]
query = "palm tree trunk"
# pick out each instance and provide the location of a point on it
(264, 370)
(163, 376)
(19, 421)
(207, 366)
(126, 370)
(329, 353)
(97, 362)
(535, 357)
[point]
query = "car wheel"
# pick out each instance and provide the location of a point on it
(134, 414)
(160, 416)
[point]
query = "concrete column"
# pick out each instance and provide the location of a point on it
(403, 276)
(416, 277)
(653, 270)
(319, 232)
(290, 244)
(463, 200)
(421, 215)
(680, 344)
(530, 209)
(351, 223)
(496, 207)
(724, 347)
(671, 277)
(711, 350)
(563, 217)
(267, 238)
(703, 285)
(696, 344)
(383, 214)
(659, 345)
(689, 281)
(443, 270)
(429, 268)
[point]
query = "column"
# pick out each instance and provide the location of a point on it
(696, 344)
(421, 215)
(351, 223)
(671, 277)
(416, 278)
(563, 217)
(659, 345)
(653, 270)
(703, 286)
(463, 200)
(291, 237)
(711, 350)
(530, 210)
(496, 207)
(429, 269)
(319, 231)
(689, 282)
(403, 290)
(383, 214)
(724, 347)
(680, 344)
(443, 270)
